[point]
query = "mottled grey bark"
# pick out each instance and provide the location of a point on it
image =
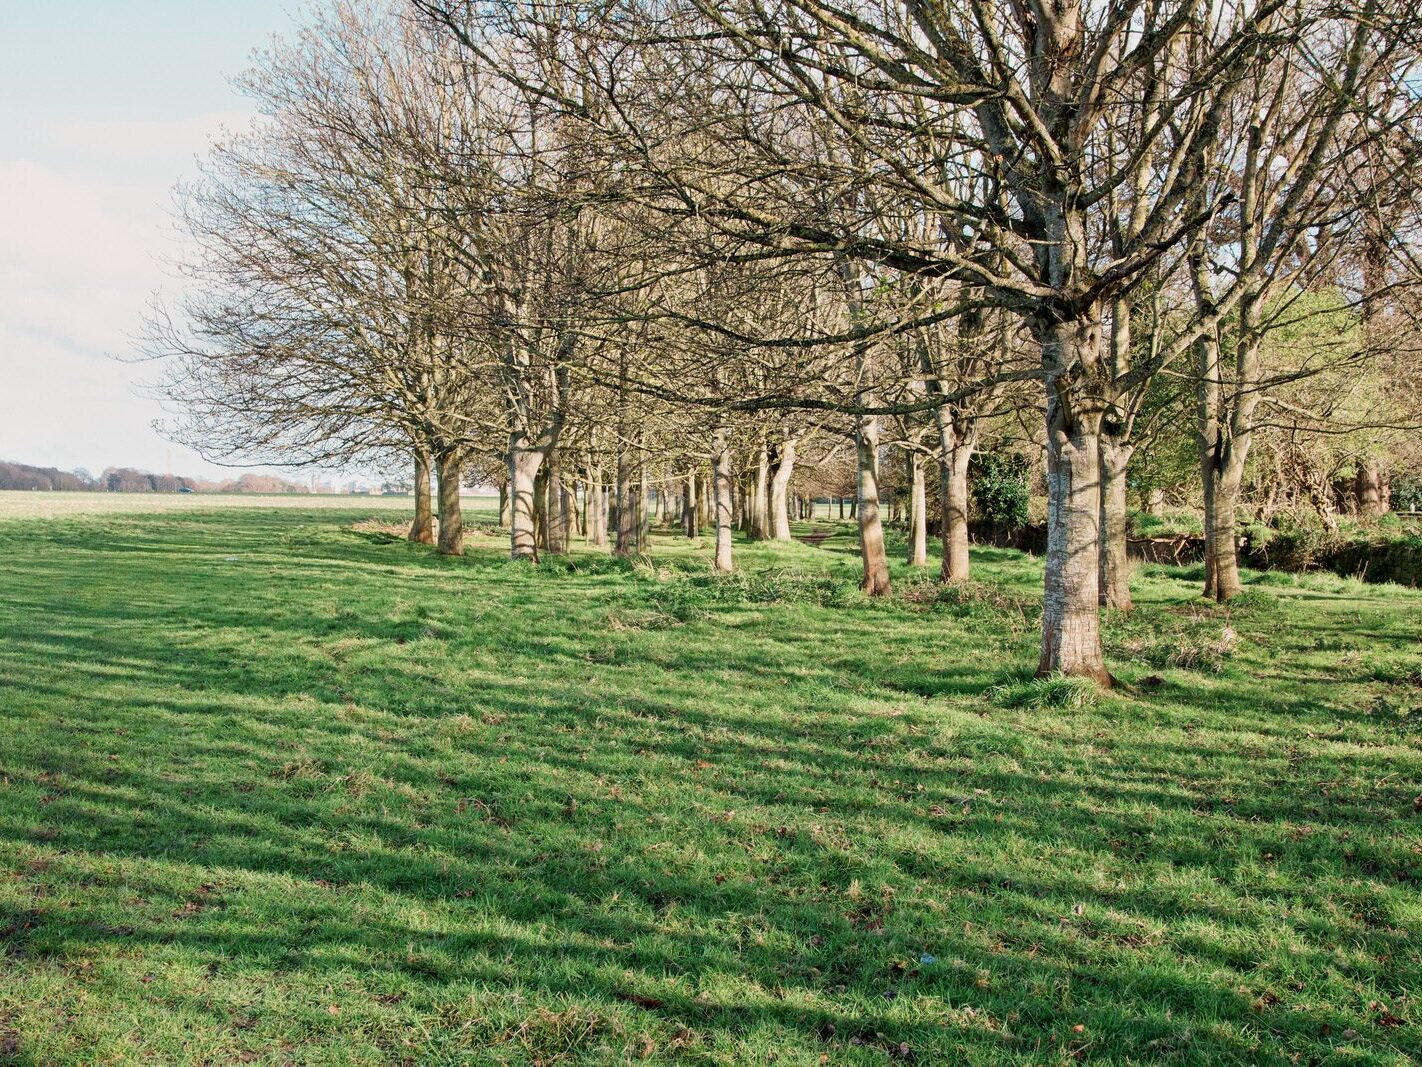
(1115, 564)
(1071, 609)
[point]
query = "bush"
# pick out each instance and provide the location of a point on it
(1407, 492)
(1001, 493)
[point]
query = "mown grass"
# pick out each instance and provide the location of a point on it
(280, 788)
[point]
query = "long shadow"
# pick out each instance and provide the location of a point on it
(1044, 864)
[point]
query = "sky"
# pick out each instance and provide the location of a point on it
(104, 106)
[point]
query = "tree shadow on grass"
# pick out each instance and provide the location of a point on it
(724, 838)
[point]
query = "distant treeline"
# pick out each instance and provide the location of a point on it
(129, 480)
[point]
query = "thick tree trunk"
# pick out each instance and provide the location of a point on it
(724, 493)
(1115, 577)
(422, 529)
(871, 530)
(780, 490)
(524, 463)
(918, 512)
(841, 509)
(1071, 609)
(451, 520)
(1221, 552)
(1368, 491)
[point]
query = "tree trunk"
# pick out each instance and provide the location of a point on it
(1368, 490)
(422, 529)
(540, 509)
(688, 505)
(557, 511)
(451, 520)
(957, 441)
(524, 463)
(596, 494)
(705, 512)
(1071, 609)
(758, 521)
(724, 494)
(780, 489)
(643, 509)
(626, 541)
(1115, 580)
(505, 505)
(1221, 484)
(918, 512)
(871, 530)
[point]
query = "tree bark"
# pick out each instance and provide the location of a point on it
(758, 520)
(642, 509)
(524, 463)
(780, 489)
(1368, 490)
(918, 512)
(688, 505)
(505, 506)
(422, 529)
(596, 494)
(724, 493)
(871, 529)
(1221, 485)
(626, 541)
(957, 440)
(1071, 609)
(1223, 445)
(557, 511)
(1115, 578)
(451, 520)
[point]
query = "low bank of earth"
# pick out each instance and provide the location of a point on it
(277, 787)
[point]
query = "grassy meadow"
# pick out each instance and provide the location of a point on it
(278, 787)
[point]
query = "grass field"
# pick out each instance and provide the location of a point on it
(277, 787)
(17, 504)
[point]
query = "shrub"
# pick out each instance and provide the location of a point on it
(1001, 493)
(1407, 492)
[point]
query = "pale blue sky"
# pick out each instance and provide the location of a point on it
(103, 107)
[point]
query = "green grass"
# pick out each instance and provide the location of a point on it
(277, 787)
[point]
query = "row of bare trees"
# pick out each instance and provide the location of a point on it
(611, 255)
